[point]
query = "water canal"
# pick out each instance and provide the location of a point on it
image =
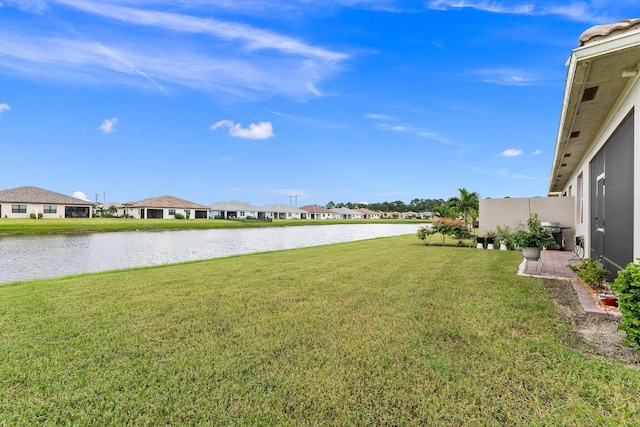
(48, 256)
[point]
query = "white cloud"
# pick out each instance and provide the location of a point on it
(225, 159)
(537, 152)
(505, 76)
(419, 132)
(109, 125)
(511, 152)
(4, 107)
(261, 130)
(233, 58)
(376, 117)
(575, 11)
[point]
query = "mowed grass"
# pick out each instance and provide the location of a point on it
(11, 226)
(379, 332)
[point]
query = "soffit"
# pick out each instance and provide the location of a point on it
(604, 71)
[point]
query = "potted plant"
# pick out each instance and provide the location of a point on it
(503, 236)
(534, 239)
(480, 242)
(490, 237)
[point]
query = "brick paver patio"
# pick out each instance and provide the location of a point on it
(554, 265)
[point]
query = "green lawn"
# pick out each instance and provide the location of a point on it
(10, 226)
(379, 332)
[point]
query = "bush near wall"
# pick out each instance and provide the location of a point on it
(627, 287)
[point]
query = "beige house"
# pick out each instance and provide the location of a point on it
(22, 202)
(317, 212)
(368, 213)
(164, 207)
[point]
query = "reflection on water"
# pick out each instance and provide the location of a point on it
(35, 257)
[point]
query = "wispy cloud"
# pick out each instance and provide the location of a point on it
(511, 152)
(108, 126)
(417, 131)
(576, 11)
(505, 76)
(377, 117)
(153, 46)
(4, 107)
(384, 123)
(261, 130)
(536, 152)
(225, 159)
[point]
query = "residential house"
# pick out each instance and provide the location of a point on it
(281, 211)
(316, 212)
(597, 143)
(368, 213)
(233, 210)
(346, 213)
(163, 207)
(22, 202)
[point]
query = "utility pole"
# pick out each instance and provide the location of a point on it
(291, 197)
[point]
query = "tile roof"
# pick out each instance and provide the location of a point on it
(366, 211)
(38, 195)
(166, 202)
(233, 205)
(599, 32)
(316, 209)
(281, 207)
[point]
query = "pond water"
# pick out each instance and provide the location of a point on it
(47, 256)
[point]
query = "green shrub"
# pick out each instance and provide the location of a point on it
(590, 273)
(627, 286)
(178, 216)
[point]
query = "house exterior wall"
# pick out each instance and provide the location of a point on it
(35, 208)
(134, 212)
(514, 213)
(627, 104)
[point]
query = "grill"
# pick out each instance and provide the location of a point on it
(556, 232)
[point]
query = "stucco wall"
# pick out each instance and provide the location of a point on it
(514, 213)
(626, 105)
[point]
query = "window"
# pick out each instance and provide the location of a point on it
(18, 208)
(242, 214)
(172, 211)
(580, 197)
(187, 211)
(50, 209)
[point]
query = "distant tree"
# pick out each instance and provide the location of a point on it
(442, 211)
(330, 205)
(465, 205)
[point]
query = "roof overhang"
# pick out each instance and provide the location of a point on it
(599, 76)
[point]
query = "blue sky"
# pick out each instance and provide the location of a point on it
(260, 100)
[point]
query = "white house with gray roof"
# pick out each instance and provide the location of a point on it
(281, 211)
(21, 202)
(346, 213)
(233, 210)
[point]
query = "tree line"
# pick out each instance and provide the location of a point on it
(465, 206)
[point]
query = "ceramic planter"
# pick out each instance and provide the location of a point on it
(531, 254)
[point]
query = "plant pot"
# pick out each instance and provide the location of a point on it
(480, 242)
(609, 301)
(531, 254)
(503, 245)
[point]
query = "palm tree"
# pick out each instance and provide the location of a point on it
(467, 204)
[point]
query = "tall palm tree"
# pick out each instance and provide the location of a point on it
(467, 204)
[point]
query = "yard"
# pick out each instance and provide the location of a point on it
(379, 332)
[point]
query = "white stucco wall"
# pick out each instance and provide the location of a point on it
(514, 213)
(627, 103)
